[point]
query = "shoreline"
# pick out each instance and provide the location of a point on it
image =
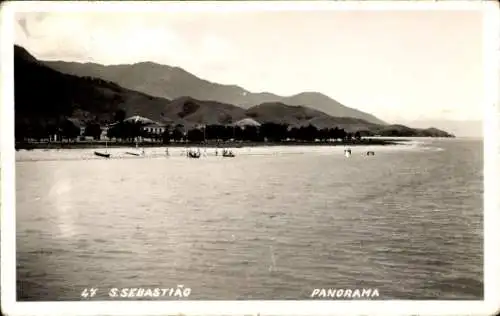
(114, 144)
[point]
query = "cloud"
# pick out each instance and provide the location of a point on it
(119, 38)
(50, 37)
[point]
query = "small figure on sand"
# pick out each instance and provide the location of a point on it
(166, 152)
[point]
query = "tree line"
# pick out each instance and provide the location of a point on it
(62, 130)
(271, 132)
(121, 130)
(125, 131)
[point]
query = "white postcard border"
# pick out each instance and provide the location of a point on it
(491, 108)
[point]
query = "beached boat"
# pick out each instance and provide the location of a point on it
(132, 154)
(228, 153)
(136, 153)
(105, 155)
(193, 154)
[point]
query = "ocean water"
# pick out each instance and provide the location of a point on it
(271, 223)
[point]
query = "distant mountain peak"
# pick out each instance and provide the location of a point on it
(146, 63)
(311, 93)
(277, 103)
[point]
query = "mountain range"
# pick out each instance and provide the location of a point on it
(46, 89)
(174, 82)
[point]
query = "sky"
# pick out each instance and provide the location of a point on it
(397, 65)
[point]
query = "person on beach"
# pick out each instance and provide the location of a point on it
(166, 152)
(216, 152)
(347, 152)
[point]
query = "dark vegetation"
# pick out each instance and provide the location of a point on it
(127, 132)
(43, 96)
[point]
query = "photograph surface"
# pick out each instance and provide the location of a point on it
(228, 155)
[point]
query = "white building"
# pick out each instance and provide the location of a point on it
(154, 128)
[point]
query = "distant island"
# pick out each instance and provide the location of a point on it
(74, 102)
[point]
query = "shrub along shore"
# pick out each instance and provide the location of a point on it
(220, 144)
